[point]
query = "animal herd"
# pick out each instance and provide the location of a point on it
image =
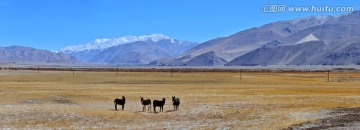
(147, 102)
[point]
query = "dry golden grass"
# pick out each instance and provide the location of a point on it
(208, 100)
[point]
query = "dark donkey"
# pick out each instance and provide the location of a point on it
(176, 103)
(145, 103)
(120, 102)
(159, 104)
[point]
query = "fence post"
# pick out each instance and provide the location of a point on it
(328, 76)
(170, 72)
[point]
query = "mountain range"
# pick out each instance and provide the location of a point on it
(129, 50)
(313, 40)
(334, 42)
(28, 55)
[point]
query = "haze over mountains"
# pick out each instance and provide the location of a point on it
(314, 40)
(28, 55)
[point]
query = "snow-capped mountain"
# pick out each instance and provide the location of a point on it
(129, 49)
(106, 43)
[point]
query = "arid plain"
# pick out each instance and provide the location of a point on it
(209, 100)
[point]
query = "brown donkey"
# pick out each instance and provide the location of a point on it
(145, 103)
(176, 103)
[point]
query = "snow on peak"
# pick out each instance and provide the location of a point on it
(310, 37)
(321, 18)
(106, 43)
(154, 37)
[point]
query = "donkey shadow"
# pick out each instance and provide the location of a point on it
(143, 112)
(170, 111)
(112, 110)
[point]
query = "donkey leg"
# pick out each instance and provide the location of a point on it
(154, 109)
(115, 106)
(123, 106)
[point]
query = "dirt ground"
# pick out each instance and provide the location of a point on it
(339, 119)
(209, 100)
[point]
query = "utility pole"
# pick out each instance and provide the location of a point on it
(240, 74)
(117, 70)
(170, 72)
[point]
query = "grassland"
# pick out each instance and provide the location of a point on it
(209, 100)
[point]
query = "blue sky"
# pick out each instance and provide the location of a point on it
(53, 24)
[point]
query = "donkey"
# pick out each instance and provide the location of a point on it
(159, 104)
(120, 102)
(176, 103)
(145, 103)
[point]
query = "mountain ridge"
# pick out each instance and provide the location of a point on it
(341, 37)
(104, 43)
(129, 50)
(238, 44)
(29, 55)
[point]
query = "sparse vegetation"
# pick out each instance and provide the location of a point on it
(261, 100)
